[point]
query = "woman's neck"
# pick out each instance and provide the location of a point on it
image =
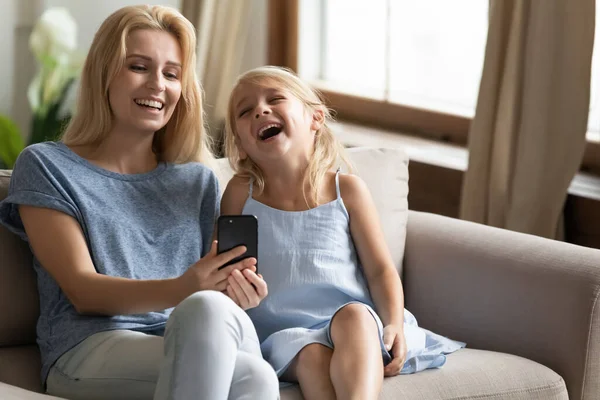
(121, 153)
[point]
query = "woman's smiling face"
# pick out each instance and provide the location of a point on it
(145, 92)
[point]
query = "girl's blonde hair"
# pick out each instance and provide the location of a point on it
(327, 149)
(184, 137)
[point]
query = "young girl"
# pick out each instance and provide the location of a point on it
(318, 325)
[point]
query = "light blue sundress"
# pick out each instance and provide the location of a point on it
(309, 262)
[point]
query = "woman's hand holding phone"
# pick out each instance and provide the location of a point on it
(246, 288)
(206, 275)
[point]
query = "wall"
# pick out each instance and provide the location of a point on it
(90, 17)
(7, 31)
(17, 19)
(18, 65)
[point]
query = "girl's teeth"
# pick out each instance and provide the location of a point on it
(267, 127)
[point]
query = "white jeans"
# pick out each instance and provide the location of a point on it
(210, 351)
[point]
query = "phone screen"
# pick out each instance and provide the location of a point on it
(237, 230)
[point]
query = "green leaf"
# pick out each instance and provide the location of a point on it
(11, 142)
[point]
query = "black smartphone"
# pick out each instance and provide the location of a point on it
(237, 230)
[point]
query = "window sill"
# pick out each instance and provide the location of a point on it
(585, 185)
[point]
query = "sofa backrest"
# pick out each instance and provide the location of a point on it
(19, 304)
(384, 170)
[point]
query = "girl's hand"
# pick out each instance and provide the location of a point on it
(246, 288)
(206, 275)
(395, 343)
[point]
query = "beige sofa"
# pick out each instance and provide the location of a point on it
(527, 307)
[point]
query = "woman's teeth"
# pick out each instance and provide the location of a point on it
(150, 103)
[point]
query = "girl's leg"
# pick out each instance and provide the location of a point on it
(310, 368)
(212, 352)
(356, 363)
(115, 365)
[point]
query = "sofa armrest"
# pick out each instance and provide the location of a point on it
(509, 292)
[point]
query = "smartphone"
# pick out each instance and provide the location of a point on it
(237, 230)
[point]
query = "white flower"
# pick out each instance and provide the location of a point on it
(53, 41)
(54, 36)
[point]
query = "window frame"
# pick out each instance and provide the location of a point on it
(283, 28)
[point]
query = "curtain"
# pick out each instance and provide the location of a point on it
(527, 139)
(222, 27)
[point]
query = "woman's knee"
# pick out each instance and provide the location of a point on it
(205, 304)
(265, 377)
(254, 375)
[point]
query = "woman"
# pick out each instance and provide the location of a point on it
(118, 215)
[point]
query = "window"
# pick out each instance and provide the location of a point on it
(594, 118)
(426, 54)
(409, 66)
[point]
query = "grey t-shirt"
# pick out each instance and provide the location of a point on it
(140, 226)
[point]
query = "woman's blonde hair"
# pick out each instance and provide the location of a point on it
(327, 149)
(183, 138)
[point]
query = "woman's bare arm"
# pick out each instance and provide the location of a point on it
(59, 244)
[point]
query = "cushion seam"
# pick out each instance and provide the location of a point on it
(553, 386)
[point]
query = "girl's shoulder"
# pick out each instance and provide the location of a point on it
(353, 190)
(238, 185)
(235, 195)
(350, 183)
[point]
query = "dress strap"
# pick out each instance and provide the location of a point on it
(250, 187)
(337, 183)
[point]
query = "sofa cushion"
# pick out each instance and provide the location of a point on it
(8, 392)
(20, 366)
(472, 374)
(385, 172)
(19, 307)
(468, 374)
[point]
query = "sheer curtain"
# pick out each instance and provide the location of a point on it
(528, 136)
(222, 27)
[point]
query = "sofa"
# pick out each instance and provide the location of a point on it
(527, 307)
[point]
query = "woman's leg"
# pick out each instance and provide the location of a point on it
(119, 365)
(212, 352)
(253, 378)
(356, 363)
(310, 368)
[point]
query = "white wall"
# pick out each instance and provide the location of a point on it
(89, 14)
(18, 66)
(7, 32)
